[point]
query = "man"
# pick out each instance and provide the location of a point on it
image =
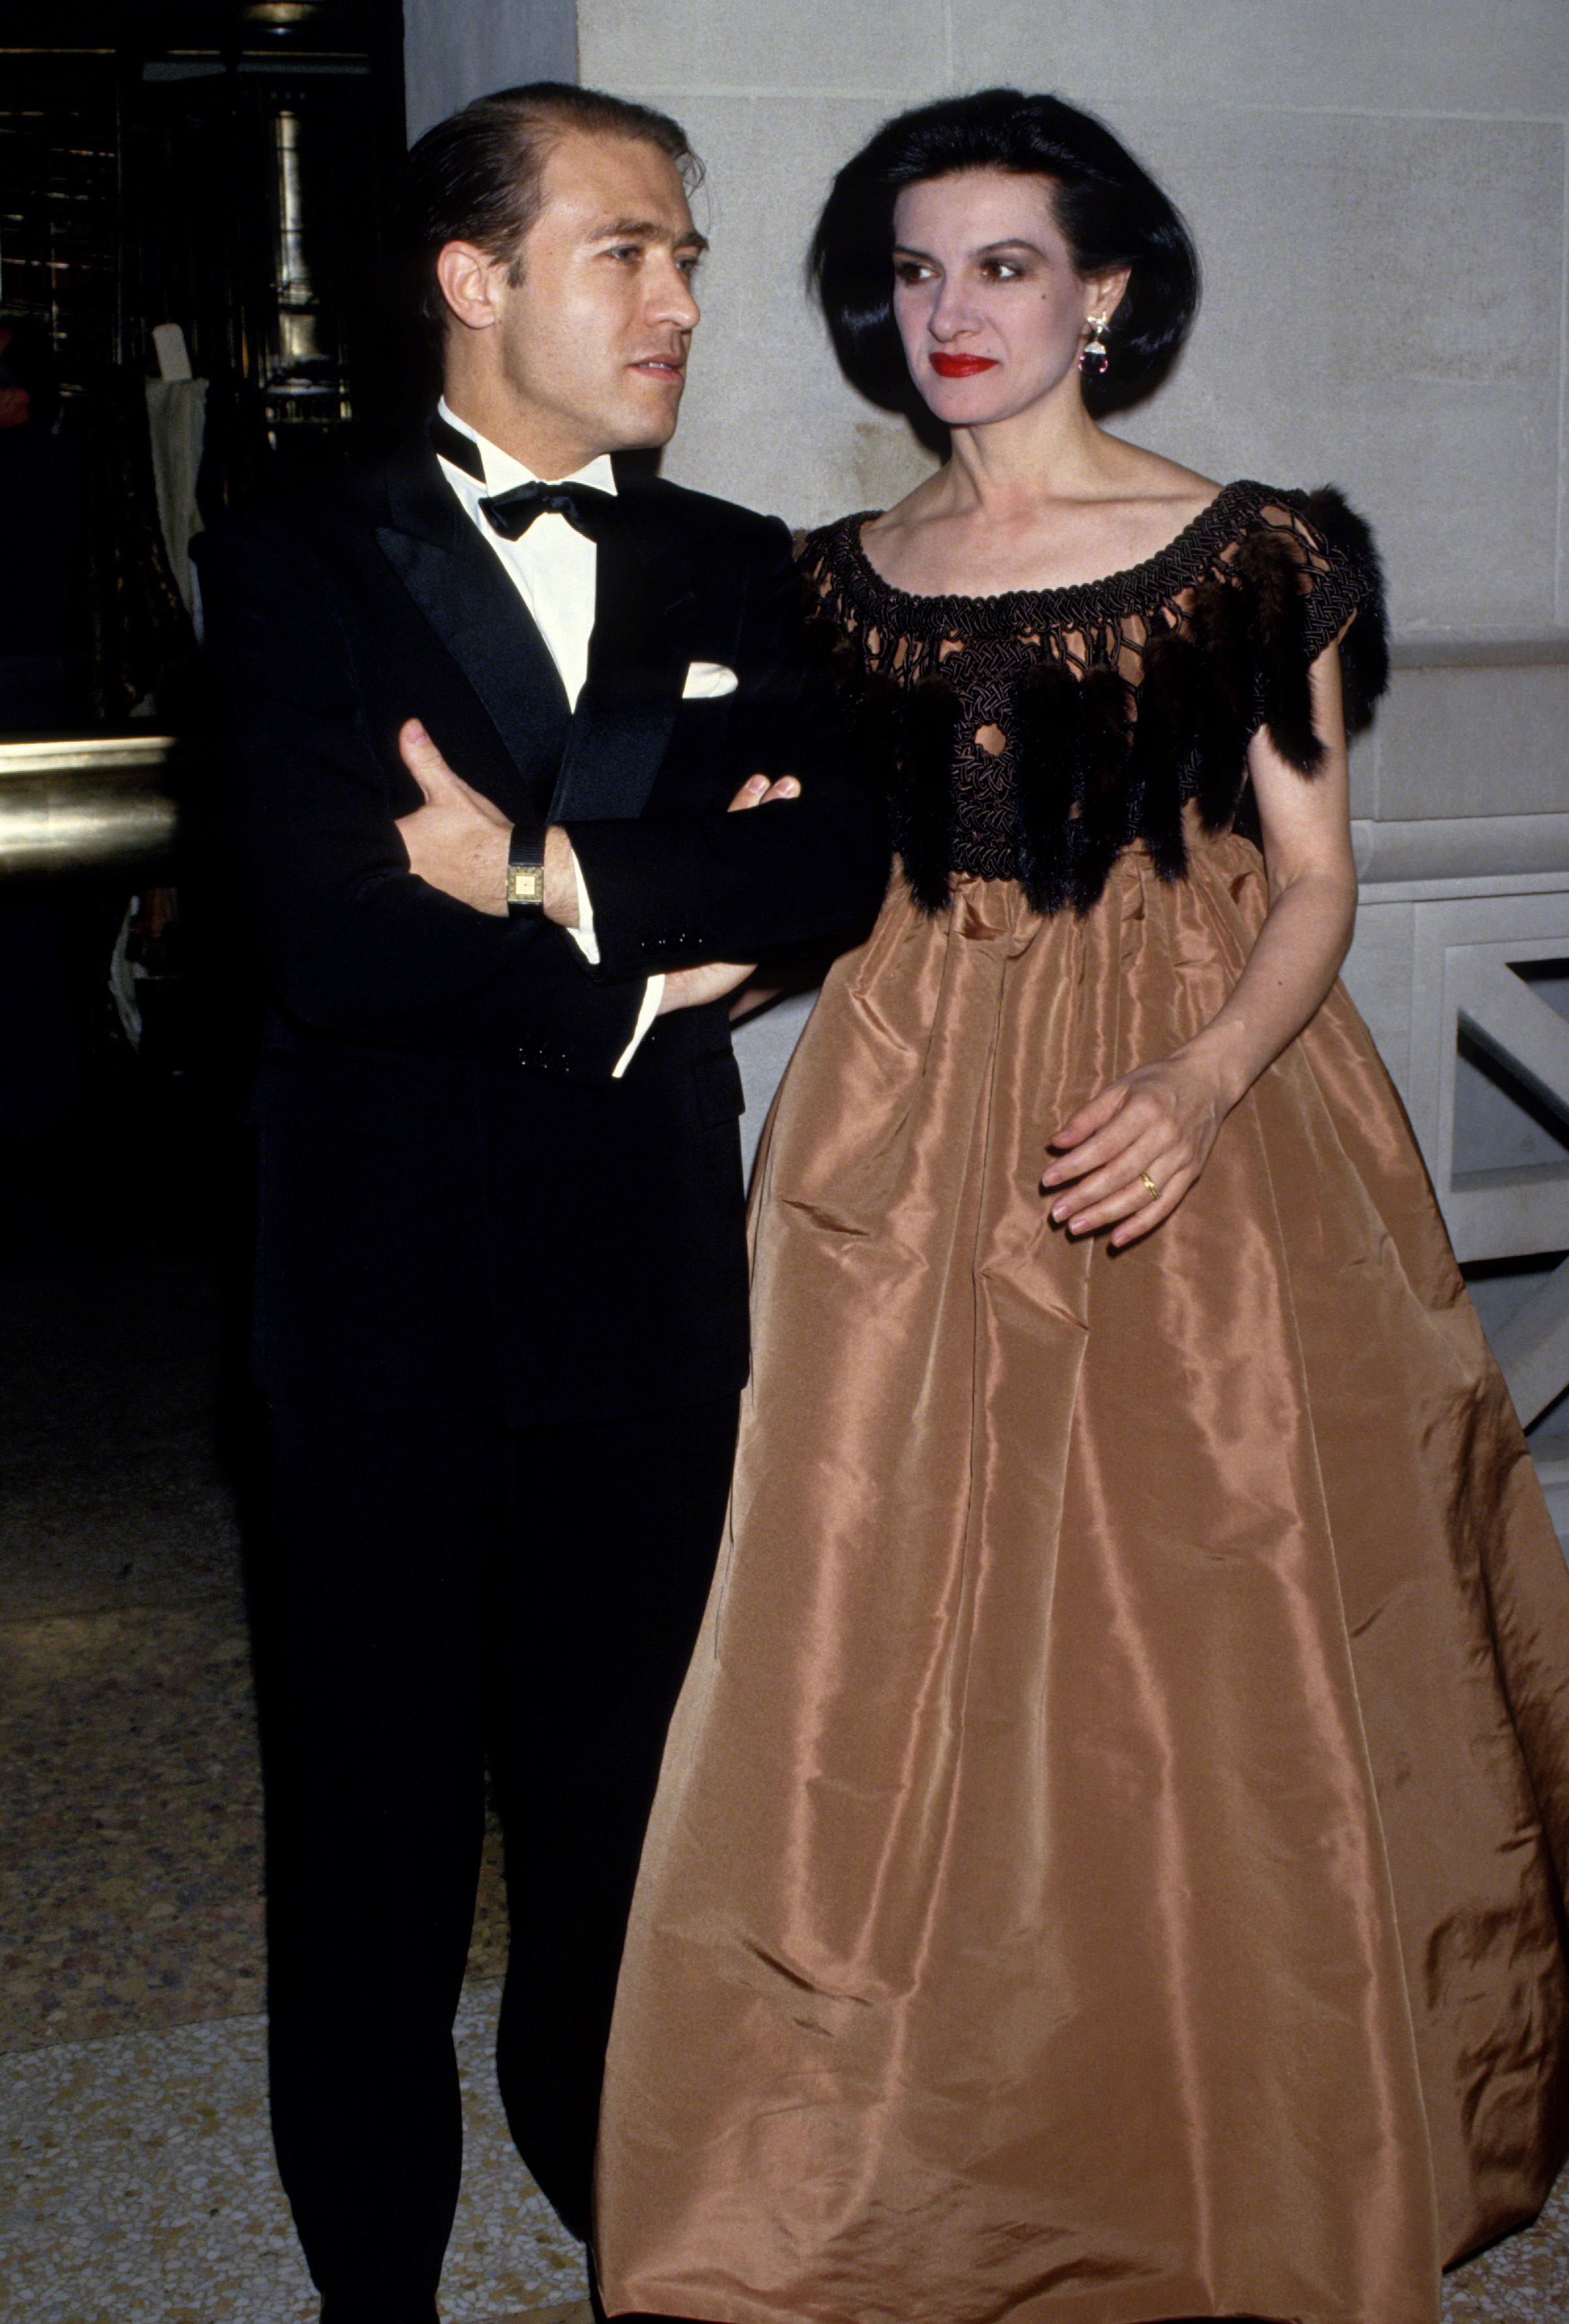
(501, 1318)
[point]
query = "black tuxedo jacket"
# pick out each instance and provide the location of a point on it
(458, 1204)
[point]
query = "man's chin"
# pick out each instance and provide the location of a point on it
(650, 430)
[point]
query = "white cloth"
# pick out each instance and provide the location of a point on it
(177, 422)
(555, 570)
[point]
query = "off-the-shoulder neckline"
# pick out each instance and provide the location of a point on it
(1182, 557)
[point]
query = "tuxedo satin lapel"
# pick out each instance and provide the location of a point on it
(460, 588)
(643, 611)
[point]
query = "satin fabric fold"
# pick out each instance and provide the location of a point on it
(1109, 1861)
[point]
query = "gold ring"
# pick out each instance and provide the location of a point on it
(1150, 1188)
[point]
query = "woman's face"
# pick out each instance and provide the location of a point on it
(988, 303)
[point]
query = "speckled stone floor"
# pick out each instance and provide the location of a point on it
(140, 2187)
(136, 2181)
(136, 2174)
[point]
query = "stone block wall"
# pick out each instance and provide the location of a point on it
(1377, 191)
(454, 49)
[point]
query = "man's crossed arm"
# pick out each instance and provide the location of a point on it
(458, 840)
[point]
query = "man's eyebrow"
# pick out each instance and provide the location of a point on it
(649, 230)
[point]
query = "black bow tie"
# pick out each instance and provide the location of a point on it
(584, 506)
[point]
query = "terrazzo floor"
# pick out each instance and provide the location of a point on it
(137, 2180)
(137, 2173)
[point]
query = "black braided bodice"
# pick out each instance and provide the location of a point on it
(1034, 734)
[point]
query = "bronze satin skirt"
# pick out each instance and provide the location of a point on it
(1109, 1860)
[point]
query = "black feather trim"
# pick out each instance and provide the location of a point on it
(1272, 568)
(1170, 705)
(1226, 650)
(1222, 627)
(1353, 591)
(1104, 827)
(1047, 709)
(921, 805)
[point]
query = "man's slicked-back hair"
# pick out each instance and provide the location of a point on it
(478, 175)
(1110, 211)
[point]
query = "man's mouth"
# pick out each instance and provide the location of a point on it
(669, 367)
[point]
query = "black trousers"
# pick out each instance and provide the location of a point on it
(439, 1588)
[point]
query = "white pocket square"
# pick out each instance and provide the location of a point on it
(706, 680)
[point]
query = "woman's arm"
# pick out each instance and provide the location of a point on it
(1163, 1119)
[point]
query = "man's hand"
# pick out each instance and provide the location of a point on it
(711, 979)
(458, 841)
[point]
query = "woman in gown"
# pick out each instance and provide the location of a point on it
(1109, 1864)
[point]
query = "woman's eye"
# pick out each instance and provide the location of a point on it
(909, 270)
(1002, 269)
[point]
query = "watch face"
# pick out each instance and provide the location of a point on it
(525, 883)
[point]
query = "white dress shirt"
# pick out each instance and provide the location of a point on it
(555, 570)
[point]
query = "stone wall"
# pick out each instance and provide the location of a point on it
(454, 49)
(1380, 199)
(1377, 191)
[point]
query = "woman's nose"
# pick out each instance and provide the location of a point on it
(951, 311)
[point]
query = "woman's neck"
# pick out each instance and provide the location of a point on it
(1052, 452)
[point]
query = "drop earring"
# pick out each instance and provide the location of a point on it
(1094, 356)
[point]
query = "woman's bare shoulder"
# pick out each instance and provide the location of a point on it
(914, 509)
(1143, 475)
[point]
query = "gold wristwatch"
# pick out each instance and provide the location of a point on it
(525, 871)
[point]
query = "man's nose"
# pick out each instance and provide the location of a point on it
(673, 299)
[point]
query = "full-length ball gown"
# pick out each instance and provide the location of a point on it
(1110, 1859)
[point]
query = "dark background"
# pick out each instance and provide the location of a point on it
(222, 165)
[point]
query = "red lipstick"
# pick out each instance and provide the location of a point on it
(962, 366)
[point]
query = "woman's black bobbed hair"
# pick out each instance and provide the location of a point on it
(1110, 211)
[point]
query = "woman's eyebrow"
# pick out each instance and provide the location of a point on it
(987, 250)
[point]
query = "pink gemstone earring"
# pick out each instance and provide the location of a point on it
(1094, 356)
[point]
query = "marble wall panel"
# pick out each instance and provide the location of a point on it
(1445, 56)
(1380, 200)
(1382, 308)
(1469, 741)
(1376, 973)
(455, 50)
(1384, 305)
(737, 45)
(767, 417)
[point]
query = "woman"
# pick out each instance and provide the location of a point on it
(1109, 1861)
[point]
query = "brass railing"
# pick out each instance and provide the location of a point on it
(85, 802)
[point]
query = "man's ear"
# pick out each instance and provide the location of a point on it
(467, 279)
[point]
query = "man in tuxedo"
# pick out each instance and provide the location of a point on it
(501, 1322)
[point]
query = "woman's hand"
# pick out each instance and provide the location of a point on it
(1128, 1157)
(1153, 1130)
